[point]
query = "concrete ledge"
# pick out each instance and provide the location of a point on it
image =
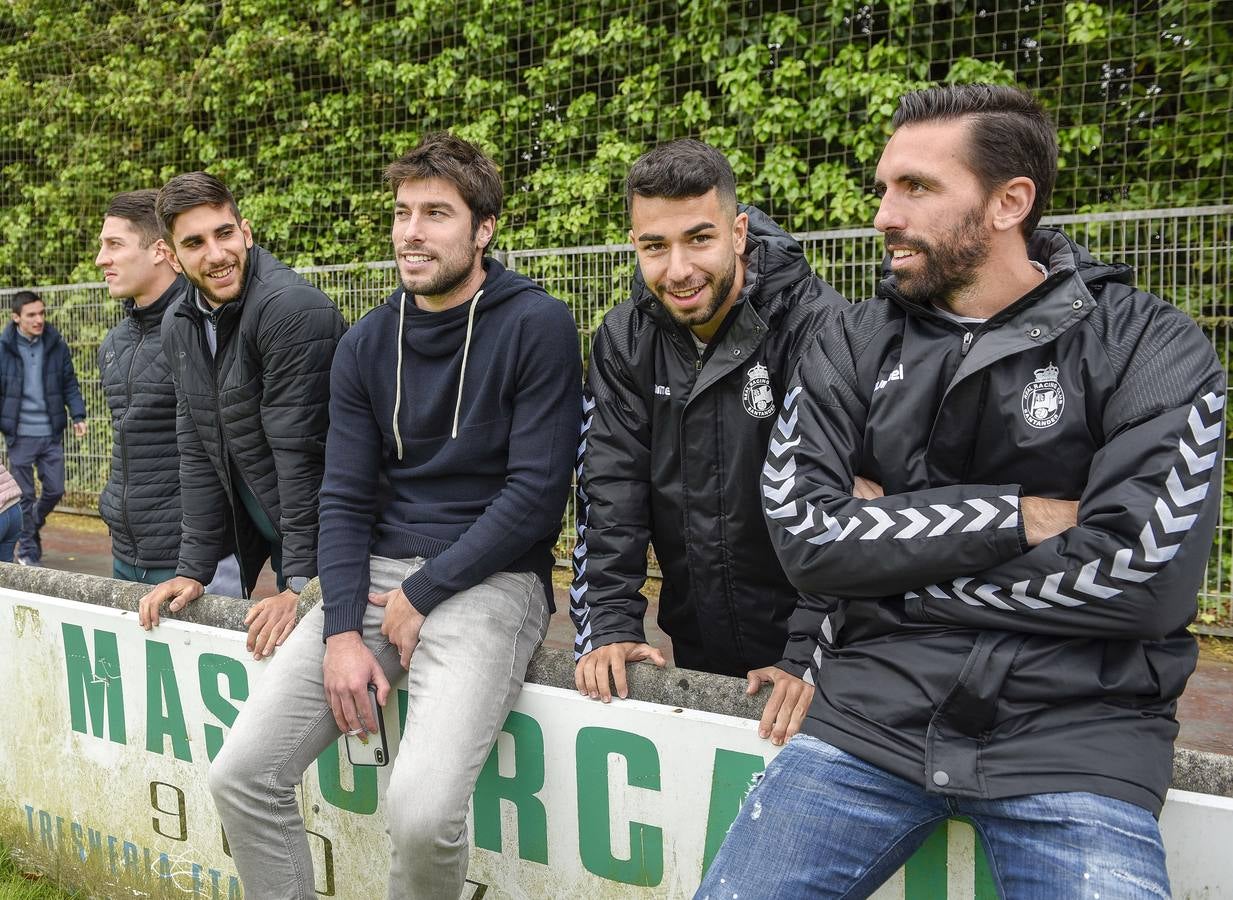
(1193, 770)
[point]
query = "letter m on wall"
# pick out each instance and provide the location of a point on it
(94, 686)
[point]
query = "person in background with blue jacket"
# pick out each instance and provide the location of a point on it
(37, 384)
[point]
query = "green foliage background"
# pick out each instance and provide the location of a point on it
(299, 105)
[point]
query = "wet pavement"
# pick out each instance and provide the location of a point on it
(80, 544)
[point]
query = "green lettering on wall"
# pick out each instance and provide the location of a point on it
(645, 866)
(519, 789)
(212, 668)
(162, 693)
(730, 781)
(94, 685)
(362, 798)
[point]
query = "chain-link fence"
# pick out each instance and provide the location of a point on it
(299, 106)
(1184, 255)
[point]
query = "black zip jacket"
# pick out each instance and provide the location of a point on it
(258, 410)
(957, 657)
(672, 446)
(141, 500)
(60, 387)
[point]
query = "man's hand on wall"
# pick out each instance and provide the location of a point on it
(79, 429)
(269, 622)
(785, 707)
(181, 591)
(592, 671)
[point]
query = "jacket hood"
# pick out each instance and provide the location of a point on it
(51, 337)
(435, 334)
(773, 261)
(440, 334)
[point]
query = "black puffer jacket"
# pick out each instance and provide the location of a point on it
(957, 657)
(141, 501)
(60, 387)
(671, 451)
(259, 410)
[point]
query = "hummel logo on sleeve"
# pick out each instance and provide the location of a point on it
(662, 390)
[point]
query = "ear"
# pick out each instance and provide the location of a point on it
(172, 260)
(247, 230)
(1011, 203)
(161, 252)
(740, 230)
(484, 233)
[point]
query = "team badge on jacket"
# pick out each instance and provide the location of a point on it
(1043, 400)
(757, 397)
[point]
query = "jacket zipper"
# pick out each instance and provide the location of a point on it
(967, 343)
(128, 407)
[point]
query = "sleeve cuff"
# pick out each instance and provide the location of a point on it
(423, 593)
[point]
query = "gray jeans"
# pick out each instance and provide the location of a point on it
(465, 675)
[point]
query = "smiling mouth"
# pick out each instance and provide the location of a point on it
(221, 274)
(416, 258)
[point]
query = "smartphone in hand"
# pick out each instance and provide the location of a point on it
(371, 749)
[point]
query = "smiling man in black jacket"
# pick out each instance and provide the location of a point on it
(684, 382)
(1006, 467)
(141, 500)
(250, 348)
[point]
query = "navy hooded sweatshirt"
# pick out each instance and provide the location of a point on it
(459, 449)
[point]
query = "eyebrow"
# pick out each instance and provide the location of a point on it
(432, 204)
(689, 232)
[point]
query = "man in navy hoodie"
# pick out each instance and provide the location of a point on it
(454, 413)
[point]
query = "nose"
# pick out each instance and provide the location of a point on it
(679, 265)
(888, 216)
(101, 259)
(412, 233)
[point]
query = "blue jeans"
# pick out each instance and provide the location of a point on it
(823, 823)
(47, 453)
(10, 528)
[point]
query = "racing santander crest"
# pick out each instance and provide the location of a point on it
(757, 397)
(1043, 399)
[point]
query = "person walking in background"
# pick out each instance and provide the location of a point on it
(37, 384)
(141, 501)
(10, 514)
(250, 347)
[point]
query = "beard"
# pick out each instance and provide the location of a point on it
(951, 263)
(721, 287)
(212, 298)
(452, 270)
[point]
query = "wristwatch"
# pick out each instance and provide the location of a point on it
(297, 583)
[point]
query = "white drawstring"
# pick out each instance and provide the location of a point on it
(402, 309)
(466, 348)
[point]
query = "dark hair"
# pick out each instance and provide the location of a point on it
(185, 192)
(681, 169)
(461, 163)
(1009, 134)
(21, 298)
(137, 207)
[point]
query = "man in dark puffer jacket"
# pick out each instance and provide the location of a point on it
(141, 501)
(250, 348)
